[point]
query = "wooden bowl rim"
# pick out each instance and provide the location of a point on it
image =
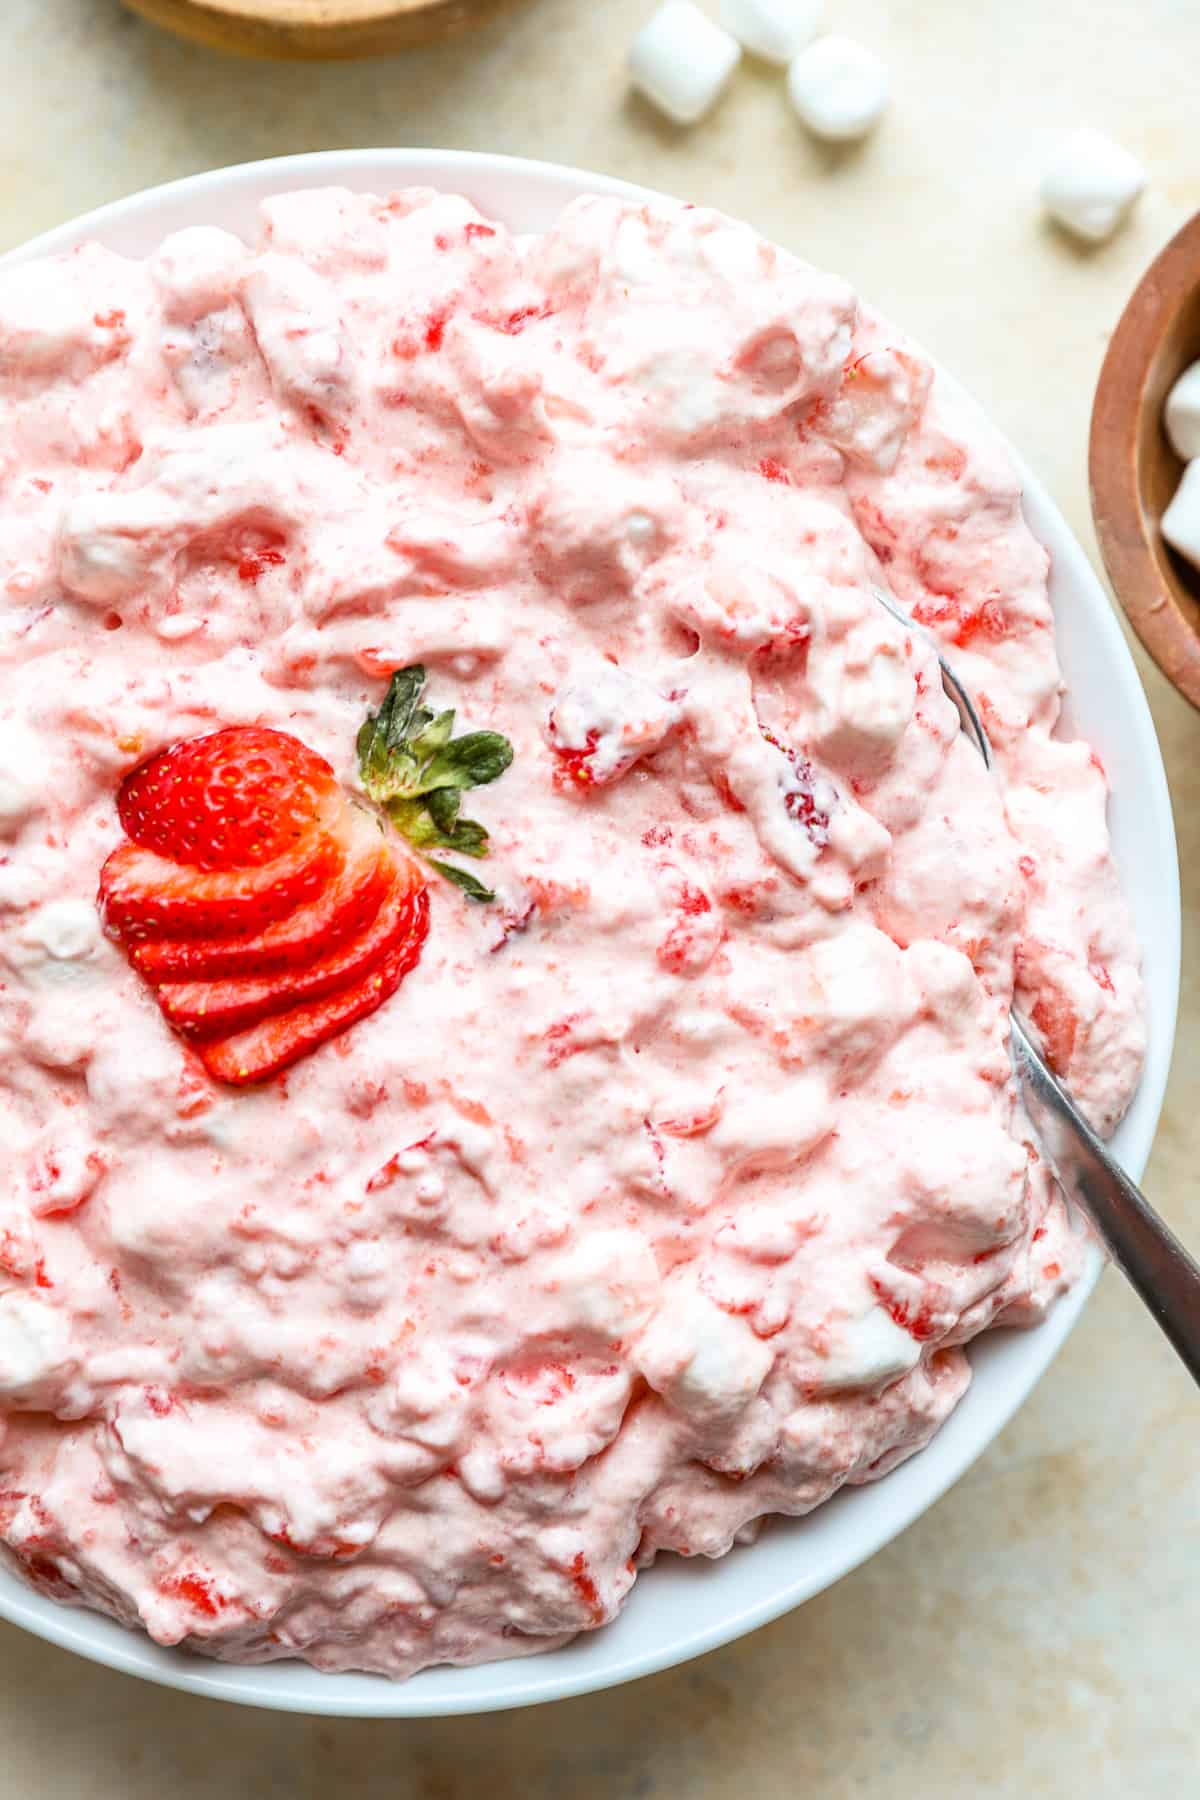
(316, 29)
(1138, 560)
(320, 15)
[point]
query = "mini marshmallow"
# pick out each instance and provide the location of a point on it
(1181, 521)
(839, 88)
(67, 930)
(1182, 416)
(867, 1352)
(1090, 184)
(681, 61)
(776, 30)
(21, 783)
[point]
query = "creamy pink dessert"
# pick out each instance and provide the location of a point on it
(665, 1192)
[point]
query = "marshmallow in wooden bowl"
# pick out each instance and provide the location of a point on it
(1181, 521)
(1182, 415)
(1181, 422)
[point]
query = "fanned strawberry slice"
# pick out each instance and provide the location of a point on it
(205, 1009)
(232, 799)
(281, 1040)
(145, 895)
(348, 902)
(266, 912)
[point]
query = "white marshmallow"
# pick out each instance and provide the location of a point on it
(868, 1352)
(705, 1362)
(34, 1350)
(606, 1285)
(776, 30)
(1181, 521)
(197, 270)
(1182, 416)
(615, 717)
(681, 61)
(21, 776)
(66, 930)
(1090, 184)
(839, 88)
(366, 1260)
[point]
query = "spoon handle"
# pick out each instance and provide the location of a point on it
(1145, 1250)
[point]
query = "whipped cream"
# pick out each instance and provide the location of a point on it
(667, 1191)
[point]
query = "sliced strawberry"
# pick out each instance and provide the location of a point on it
(349, 902)
(283, 1039)
(266, 912)
(205, 1009)
(144, 895)
(233, 799)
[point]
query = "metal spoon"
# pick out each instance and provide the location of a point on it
(1160, 1270)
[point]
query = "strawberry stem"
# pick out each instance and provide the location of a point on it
(416, 769)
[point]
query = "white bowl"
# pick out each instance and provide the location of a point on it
(679, 1609)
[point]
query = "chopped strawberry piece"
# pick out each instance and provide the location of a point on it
(801, 805)
(234, 799)
(254, 564)
(278, 1042)
(1101, 977)
(575, 765)
(206, 1009)
(1058, 1027)
(918, 1318)
(516, 322)
(695, 931)
(197, 1591)
(142, 894)
(349, 901)
(960, 622)
(587, 1590)
(986, 621)
(800, 797)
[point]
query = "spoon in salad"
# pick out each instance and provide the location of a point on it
(1157, 1266)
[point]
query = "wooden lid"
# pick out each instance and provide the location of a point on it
(316, 28)
(1134, 471)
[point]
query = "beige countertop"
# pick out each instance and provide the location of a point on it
(1034, 1634)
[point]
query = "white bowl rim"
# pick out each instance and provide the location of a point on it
(888, 1506)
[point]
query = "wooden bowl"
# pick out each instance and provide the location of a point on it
(300, 29)
(1134, 471)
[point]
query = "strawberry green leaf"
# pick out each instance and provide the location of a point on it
(434, 737)
(416, 769)
(471, 761)
(463, 878)
(396, 714)
(469, 837)
(411, 818)
(443, 806)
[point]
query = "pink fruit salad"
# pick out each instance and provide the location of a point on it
(505, 954)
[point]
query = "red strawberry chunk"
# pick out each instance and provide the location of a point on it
(576, 764)
(349, 901)
(279, 1041)
(800, 795)
(233, 799)
(1058, 1026)
(206, 1009)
